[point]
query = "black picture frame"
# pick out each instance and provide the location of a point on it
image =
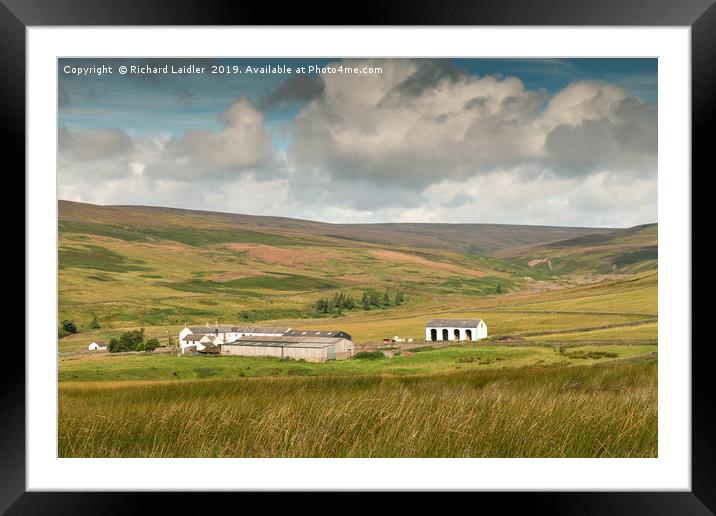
(17, 15)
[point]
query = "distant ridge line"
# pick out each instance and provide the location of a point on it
(401, 224)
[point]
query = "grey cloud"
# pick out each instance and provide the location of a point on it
(476, 103)
(637, 126)
(626, 140)
(91, 156)
(299, 88)
(315, 191)
(412, 146)
(94, 144)
(428, 74)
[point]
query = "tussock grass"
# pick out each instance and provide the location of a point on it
(603, 410)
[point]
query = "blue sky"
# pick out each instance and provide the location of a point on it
(167, 103)
(636, 76)
(569, 135)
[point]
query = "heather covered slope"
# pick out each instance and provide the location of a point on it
(620, 251)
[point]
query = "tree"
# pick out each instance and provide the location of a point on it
(336, 304)
(386, 298)
(399, 298)
(113, 345)
(69, 326)
(151, 345)
(499, 288)
(128, 341)
(321, 306)
(365, 298)
(140, 347)
(94, 323)
(375, 298)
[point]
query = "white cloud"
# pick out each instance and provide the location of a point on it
(602, 199)
(242, 145)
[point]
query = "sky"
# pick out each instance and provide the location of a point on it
(565, 142)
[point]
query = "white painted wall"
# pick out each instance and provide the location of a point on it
(478, 332)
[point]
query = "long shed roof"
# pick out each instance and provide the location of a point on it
(238, 329)
(286, 341)
(453, 323)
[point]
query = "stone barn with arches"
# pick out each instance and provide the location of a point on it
(455, 329)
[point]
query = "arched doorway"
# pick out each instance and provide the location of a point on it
(445, 334)
(433, 334)
(468, 334)
(456, 333)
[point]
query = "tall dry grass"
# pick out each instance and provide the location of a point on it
(607, 410)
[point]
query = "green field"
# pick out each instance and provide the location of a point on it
(146, 366)
(569, 369)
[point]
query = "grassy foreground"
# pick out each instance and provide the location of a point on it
(601, 410)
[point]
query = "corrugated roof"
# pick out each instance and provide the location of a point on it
(260, 329)
(287, 341)
(223, 328)
(268, 344)
(453, 323)
(318, 333)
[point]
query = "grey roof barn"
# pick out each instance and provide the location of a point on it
(453, 323)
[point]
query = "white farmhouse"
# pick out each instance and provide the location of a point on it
(194, 342)
(97, 345)
(455, 329)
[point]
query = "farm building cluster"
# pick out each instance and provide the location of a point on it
(309, 345)
(257, 341)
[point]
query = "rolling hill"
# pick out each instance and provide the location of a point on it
(133, 266)
(143, 222)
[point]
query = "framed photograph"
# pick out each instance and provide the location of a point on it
(442, 250)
